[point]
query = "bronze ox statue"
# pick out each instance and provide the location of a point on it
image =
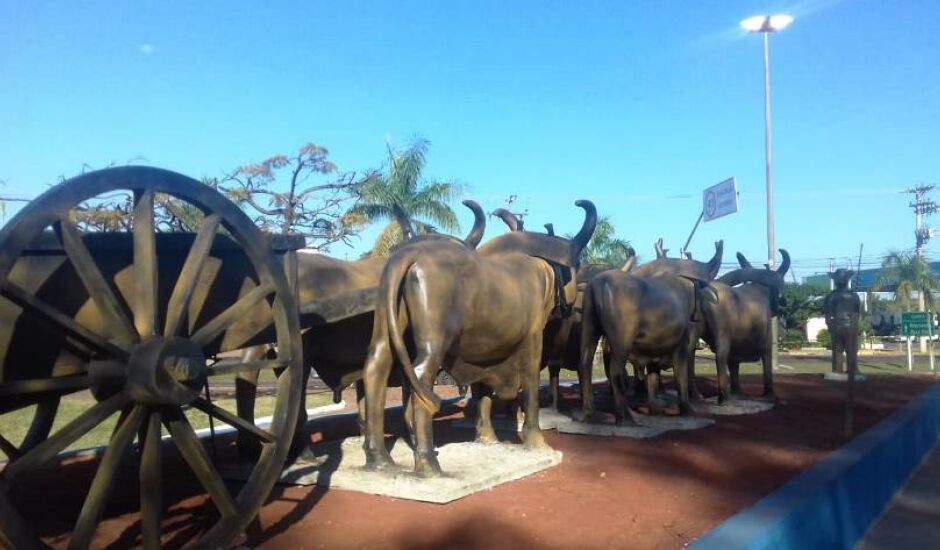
(337, 303)
(649, 316)
(738, 322)
(561, 343)
(478, 315)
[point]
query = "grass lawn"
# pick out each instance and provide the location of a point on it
(789, 364)
(14, 425)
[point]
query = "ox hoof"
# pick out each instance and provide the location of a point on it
(535, 441)
(487, 438)
(379, 461)
(656, 408)
(626, 422)
(427, 467)
(591, 417)
(686, 409)
(769, 396)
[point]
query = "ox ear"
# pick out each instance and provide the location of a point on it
(709, 294)
(660, 251)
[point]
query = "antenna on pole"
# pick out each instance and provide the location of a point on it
(519, 215)
(922, 206)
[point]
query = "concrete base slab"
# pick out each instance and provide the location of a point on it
(468, 468)
(732, 408)
(843, 376)
(648, 426)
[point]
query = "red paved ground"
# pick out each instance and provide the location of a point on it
(608, 492)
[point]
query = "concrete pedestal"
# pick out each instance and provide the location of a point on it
(468, 468)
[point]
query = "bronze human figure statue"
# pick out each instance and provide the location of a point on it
(842, 309)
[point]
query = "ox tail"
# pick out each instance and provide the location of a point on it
(394, 276)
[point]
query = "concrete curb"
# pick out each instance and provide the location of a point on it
(832, 504)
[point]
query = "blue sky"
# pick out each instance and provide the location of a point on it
(636, 105)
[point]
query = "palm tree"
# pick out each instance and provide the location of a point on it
(605, 247)
(403, 197)
(907, 272)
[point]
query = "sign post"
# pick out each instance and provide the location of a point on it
(718, 200)
(917, 323)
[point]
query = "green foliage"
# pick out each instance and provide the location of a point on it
(402, 196)
(824, 339)
(906, 273)
(799, 302)
(792, 339)
(605, 247)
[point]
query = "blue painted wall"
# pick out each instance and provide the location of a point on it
(831, 504)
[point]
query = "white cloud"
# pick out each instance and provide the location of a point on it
(146, 49)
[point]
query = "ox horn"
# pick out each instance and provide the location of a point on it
(660, 251)
(579, 241)
(550, 228)
(715, 263)
(785, 264)
(510, 219)
(742, 261)
(631, 259)
(479, 224)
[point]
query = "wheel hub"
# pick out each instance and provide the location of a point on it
(166, 371)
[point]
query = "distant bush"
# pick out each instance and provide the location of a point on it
(792, 339)
(824, 339)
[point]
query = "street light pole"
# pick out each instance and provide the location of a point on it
(766, 24)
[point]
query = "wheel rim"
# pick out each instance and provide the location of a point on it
(151, 364)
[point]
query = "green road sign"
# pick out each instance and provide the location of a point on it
(917, 323)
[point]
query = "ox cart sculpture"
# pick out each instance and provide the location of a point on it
(140, 319)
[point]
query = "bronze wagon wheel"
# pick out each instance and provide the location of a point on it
(146, 358)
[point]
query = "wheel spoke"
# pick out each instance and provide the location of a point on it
(235, 367)
(208, 332)
(98, 288)
(69, 433)
(232, 420)
(43, 385)
(189, 275)
(151, 491)
(104, 478)
(8, 448)
(145, 266)
(195, 455)
(59, 320)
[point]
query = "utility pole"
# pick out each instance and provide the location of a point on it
(922, 206)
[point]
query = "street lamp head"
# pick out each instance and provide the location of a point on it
(766, 23)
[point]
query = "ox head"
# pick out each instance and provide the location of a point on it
(690, 269)
(562, 254)
(772, 279)
(841, 277)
